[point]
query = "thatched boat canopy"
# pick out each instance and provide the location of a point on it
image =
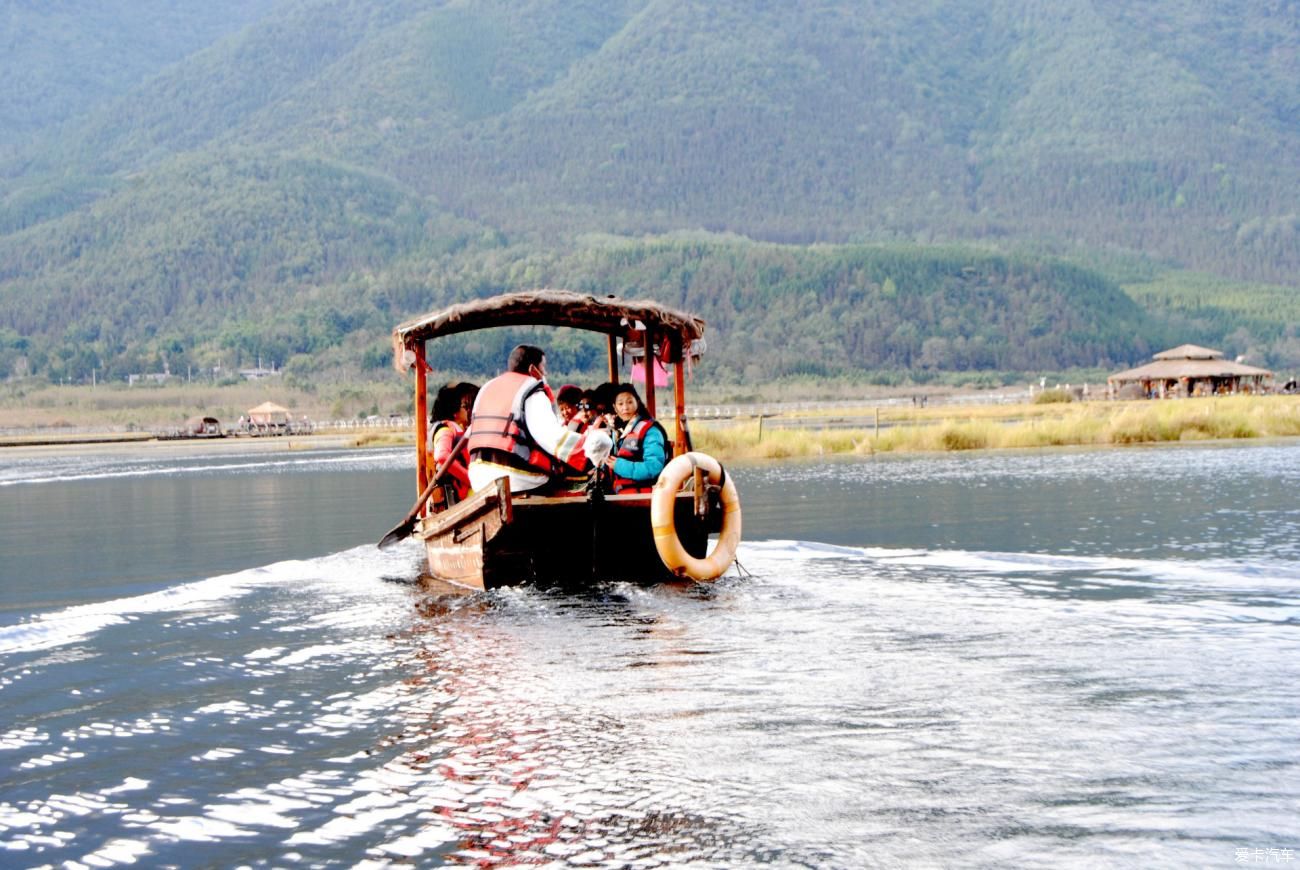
(623, 318)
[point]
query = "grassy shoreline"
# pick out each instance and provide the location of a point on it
(116, 407)
(154, 407)
(953, 428)
(892, 430)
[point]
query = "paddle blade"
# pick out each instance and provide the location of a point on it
(400, 532)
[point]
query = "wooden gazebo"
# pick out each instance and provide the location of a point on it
(1191, 370)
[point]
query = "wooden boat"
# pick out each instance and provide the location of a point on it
(497, 538)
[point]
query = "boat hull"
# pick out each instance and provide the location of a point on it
(493, 539)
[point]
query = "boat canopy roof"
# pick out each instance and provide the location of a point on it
(625, 318)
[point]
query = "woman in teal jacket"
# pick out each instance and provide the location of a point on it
(641, 448)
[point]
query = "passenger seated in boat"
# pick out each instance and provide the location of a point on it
(587, 411)
(641, 448)
(450, 418)
(568, 400)
(602, 406)
(515, 433)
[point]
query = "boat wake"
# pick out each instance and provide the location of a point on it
(1266, 573)
(314, 709)
(1267, 581)
(360, 569)
(1265, 589)
(80, 468)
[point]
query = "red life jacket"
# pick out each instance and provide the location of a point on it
(632, 446)
(497, 430)
(458, 471)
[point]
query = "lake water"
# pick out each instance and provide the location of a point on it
(1032, 659)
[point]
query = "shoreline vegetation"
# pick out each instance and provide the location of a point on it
(864, 430)
(1021, 426)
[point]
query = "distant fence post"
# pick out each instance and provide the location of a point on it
(877, 422)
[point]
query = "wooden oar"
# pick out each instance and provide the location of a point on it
(402, 530)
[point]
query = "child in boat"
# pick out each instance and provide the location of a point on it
(568, 400)
(641, 446)
(450, 418)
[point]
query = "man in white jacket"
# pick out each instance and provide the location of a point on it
(514, 431)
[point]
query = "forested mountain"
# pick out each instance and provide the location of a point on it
(61, 60)
(298, 185)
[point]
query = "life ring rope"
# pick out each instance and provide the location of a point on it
(663, 524)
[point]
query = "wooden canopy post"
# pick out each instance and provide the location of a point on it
(421, 418)
(682, 442)
(613, 358)
(649, 368)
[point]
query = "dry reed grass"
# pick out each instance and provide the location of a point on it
(951, 428)
(383, 439)
(115, 406)
(902, 429)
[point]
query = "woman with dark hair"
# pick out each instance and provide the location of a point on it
(450, 418)
(602, 406)
(641, 448)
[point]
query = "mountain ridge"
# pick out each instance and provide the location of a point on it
(454, 135)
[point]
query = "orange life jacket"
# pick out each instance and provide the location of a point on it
(458, 471)
(497, 430)
(632, 446)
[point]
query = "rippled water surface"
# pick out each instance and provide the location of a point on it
(1074, 658)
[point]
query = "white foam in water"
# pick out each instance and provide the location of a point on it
(803, 550)
(45, 473)
(117, 851)
(200, 829)
(348, 569)
(19, 738)
(327, 650)
(131, 783)
(80, 621)
(1200, 572)
(1227, 573)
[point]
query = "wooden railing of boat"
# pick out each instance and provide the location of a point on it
(457, 539)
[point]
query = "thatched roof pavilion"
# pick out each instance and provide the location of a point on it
(1191, 370)
(268, 412)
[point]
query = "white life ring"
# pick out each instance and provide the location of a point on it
(663, 500)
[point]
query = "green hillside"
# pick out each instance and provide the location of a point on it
(1257, 321)
(300, 184)
(773, 310)
(203, 255)
(61, 60)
